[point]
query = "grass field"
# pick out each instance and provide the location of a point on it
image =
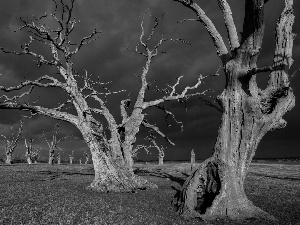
(45, 194)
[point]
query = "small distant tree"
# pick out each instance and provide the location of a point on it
(11, 143)
(193, 158)
(58, 155)
(86, 155)
(161, 151)
(53, 144)
(35, 154)
(71, 157)
(29, 150)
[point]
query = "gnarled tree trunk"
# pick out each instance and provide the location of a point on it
(110, 175)
(216, 188)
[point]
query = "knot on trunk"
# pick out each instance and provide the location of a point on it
(199, 190)
(270, 99)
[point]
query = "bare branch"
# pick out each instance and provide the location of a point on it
(37, 82)
(46, 139)
(156, 129)
(173, 95)
(85, 41)
(124, 105)
(41, 110)
(231, 29)
(210, 27)
(210, 104)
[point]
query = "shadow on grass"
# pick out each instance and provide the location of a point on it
(51, 175)
(275, 177)
(159, 173)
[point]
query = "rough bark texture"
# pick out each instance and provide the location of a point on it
(215, 189)
(109, 174)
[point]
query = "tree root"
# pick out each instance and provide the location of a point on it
(210, 194)
(122, 182)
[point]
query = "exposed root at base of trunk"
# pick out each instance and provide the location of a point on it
(210, 193)
(123, 182)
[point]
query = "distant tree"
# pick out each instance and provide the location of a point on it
(71, 157)
(58, 155)
(112, 157)
(11, 143)
(193, 158)
(161, 151)
(216, 188)
(53, 145)
(36, 151)
(29, 150)
(86, 156)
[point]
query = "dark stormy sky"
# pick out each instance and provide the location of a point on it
(119, 22)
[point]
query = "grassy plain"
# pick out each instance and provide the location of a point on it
(44, 194)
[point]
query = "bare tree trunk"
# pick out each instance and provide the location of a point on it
(8, 158)
(28, 158)
(193, 158)
(160, 160)
(216, 188)
(51, 156)
(109, 174)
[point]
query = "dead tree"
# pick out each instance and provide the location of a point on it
(193, 158)
(112, 158)
(71, 157)
(53, 145)
(161, 151)
(11, 143)
(29, 150)
(58, 155)
(86, 156)
(35, 154)
(216, 188)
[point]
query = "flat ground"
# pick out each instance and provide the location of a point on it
(44, 194)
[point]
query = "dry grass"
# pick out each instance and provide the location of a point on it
(44, 194)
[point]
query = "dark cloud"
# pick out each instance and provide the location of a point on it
(108, 57)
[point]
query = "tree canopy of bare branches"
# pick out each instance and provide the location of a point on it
(111, 154)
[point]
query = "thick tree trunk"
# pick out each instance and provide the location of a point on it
(8, 158)
(215, 189)
(127, 154)
(132, 127)
(109, 174)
